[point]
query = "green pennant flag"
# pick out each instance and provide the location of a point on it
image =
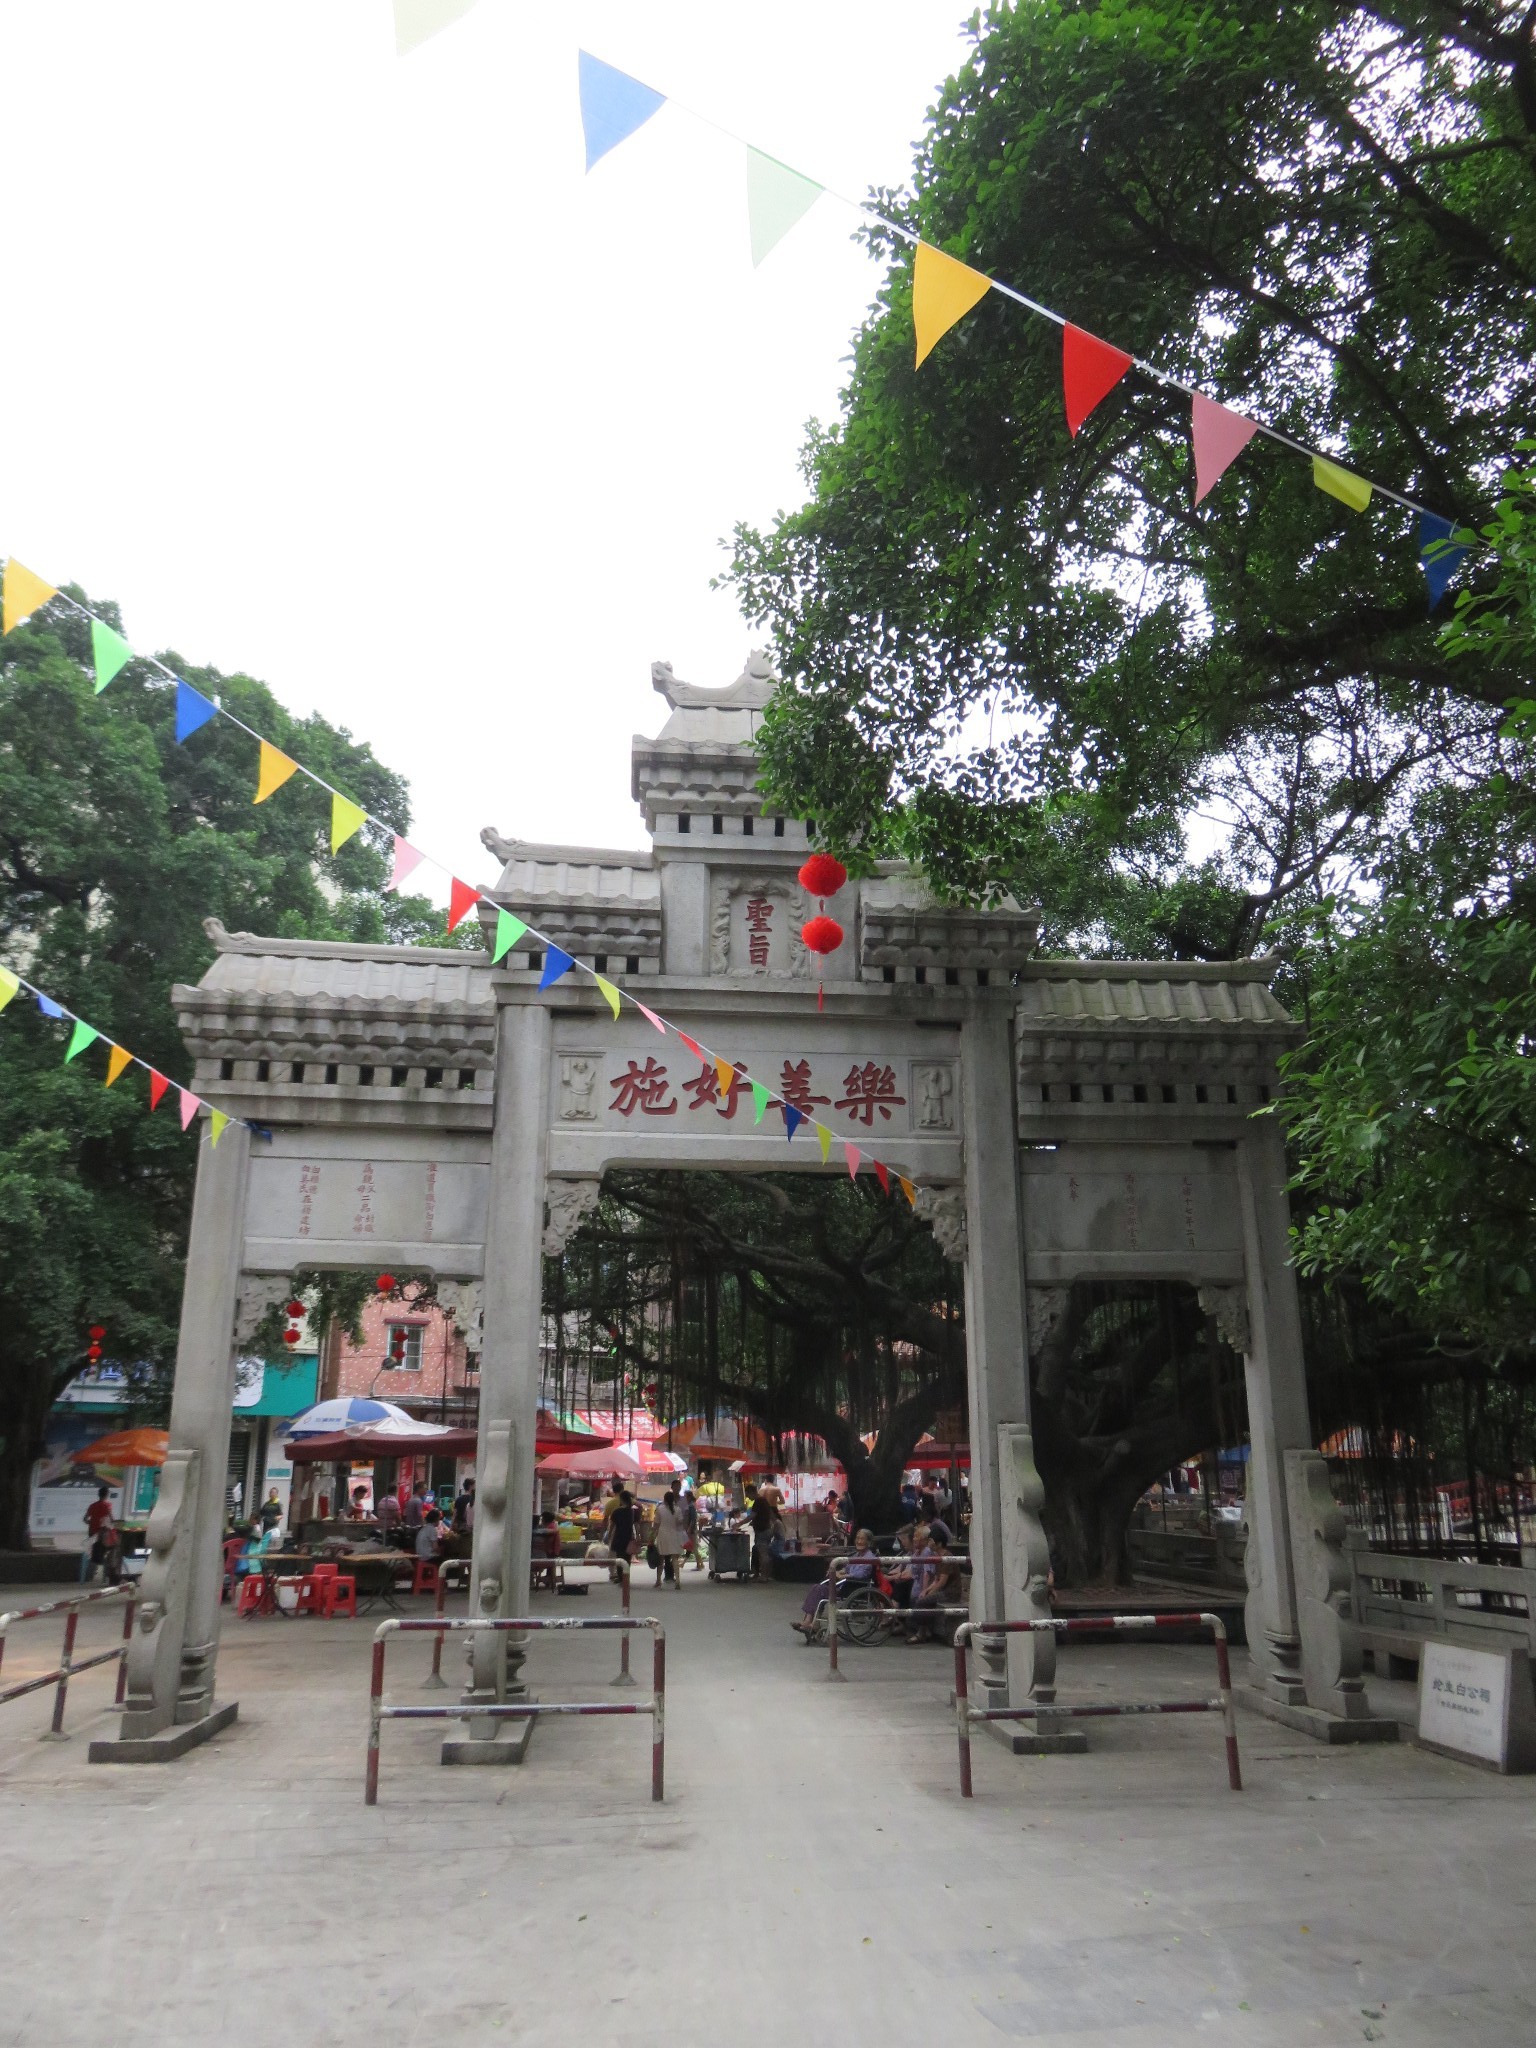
(776, 198)
(509, 930)
(110, 652)
(82, 1036)
(759, 1100)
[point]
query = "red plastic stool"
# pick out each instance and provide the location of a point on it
(425, 1579)
(312, 1587)
(338, 1595)
(248, 1599)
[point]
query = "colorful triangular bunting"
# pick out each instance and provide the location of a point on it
(908, 1190)
(943, 291)
(509, 930)
(49, 1008)
(556, 962)
(759, 1100)
(824, 1140)
(193, 709)
(776, 198)
(853, 1155)
(1439, 555)
(692, 1044)
(609, 993)
(190, 1105)
(461, 901)
(416, 21)
(119, 1059)
(406, 858)
(347, 819)
(83, 1035)
(273, 770)
(21, 594)
(1219, 437)
(883, 1176)
(9, 983)
(110, 653)
(218, 1123)
(613, 105)
(1343, 484)
(157, 1087)
(793, 1119)
(725, 1075)
(1090, 370)
(650, 1016)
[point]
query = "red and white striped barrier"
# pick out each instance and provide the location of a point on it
(67, 1666)
(1094, 1624)
(653, 1704)
(435, 1678)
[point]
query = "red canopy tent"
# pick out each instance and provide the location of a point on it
(362, 1446)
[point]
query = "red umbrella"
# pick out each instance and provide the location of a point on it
(594, 1464)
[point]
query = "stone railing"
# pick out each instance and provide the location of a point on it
(1398, 1601)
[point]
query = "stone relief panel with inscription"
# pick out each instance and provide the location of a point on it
(755, 922)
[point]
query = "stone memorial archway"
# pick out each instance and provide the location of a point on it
(430, 1113)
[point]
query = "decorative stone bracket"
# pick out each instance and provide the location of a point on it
(1227, 1306)
(943, 1209)
(256, 1293)
(566, 1202)
(154, 1654)
(1331, 1650)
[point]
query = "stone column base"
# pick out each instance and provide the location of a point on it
(1314, 1722)
(1019, 1739)
(165, 1747)
(508, 1746)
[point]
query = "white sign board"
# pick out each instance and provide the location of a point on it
(1464, 1700)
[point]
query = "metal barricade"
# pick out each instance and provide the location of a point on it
(1095, 1624)
(881, 1561)
(521, 1710)
(67, 1665)
(435, 1678)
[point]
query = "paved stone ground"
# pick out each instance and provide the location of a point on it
(813, 1870)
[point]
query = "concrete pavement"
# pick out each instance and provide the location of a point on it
(813, 1868)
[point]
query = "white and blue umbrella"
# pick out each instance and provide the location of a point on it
(350, 1412)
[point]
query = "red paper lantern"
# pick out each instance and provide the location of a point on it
(386, 1283)
(822, 875)
(822, 934)
(295, 1309)
(98, 1331)
(94, 1354)
(290, 1336)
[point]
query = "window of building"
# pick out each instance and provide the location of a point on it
(410, 1360)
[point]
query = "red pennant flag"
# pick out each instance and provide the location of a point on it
(157, 1087)
(461, 901)
(1219, 437)
(692, 1044)
(1090, 370)
(883, 1177)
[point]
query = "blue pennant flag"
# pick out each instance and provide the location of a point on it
(50, 1008)
(613, 105)
(793, 1119)
(193, 709)
(1439, 560)
(556, 963)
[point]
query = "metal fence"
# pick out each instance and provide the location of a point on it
(68, 1664)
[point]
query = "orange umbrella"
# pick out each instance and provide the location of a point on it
(125, 1447)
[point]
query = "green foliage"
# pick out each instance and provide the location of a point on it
(1000, 641)
(115, 845)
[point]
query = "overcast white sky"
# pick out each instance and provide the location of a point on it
(335, 367)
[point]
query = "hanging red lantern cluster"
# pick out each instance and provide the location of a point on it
(386, 1283)
(397, 1341)
(822, 876)
(295, 1315)
(93, 1349)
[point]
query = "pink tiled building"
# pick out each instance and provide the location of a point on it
(437, 1379)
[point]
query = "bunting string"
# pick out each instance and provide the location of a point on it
(945, 289)
(23, 591)
(83, 1036)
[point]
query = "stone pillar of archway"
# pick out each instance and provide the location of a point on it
(172, 1660)
(509, 1376)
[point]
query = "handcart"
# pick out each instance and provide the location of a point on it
(730, 1550)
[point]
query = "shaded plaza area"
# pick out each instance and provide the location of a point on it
(812, 1867)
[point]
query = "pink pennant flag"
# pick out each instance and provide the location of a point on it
(1219, 437)
(854, 1156)
(406, 858)
(190, 1105)
(649, 1015)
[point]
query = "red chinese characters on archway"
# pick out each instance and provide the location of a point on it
(795, 1087)
(706, 1089)
(643, 1088)
(759, 915)
(868, 1088)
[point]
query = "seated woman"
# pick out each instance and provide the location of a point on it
(941, 1585)
(853, 1568)
(910, 1577)
(546, 1548)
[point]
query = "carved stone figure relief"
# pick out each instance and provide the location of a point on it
(578, 1085)
(933, 1090)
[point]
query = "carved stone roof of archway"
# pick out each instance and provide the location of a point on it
(1223, 995)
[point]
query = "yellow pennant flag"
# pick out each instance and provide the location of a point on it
(943, 291)
(217, 1127)
(725, 1074)
(273, 772)
(8, 986)
(824, 1140)
(610, 993)
(347, 818)
(907, 1189)
(1343, 484)
(23, 594)
(118, 1059)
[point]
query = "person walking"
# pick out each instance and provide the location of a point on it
(688, 1501)
(670, 1538)
(100, 1534)
(621, 1535)
(763, 1517)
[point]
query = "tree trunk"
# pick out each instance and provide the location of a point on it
(27, 1399)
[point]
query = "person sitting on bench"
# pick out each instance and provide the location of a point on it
(546, 1551)
(940, 1587)
(855, 1568)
